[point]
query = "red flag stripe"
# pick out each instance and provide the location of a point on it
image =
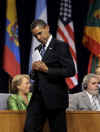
(72, 81)
(92, 45)
(69, 82)
(76, 77)
(67, 36)
(64, 38)
(61, 34)
(70, 31)
(12, 68)
(72, 52)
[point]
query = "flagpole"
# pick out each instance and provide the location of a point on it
(9, 84)
(98, 61)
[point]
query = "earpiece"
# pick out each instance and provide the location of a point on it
(84, 86)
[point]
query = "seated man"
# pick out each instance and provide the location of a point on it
(89, 98)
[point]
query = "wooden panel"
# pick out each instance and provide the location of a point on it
(12, 121)
(78, 121)
(83, 121)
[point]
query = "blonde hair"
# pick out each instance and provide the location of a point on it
(17, 80)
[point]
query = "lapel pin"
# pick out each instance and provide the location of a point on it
(50, 48)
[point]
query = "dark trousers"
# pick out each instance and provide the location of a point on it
(37, 114)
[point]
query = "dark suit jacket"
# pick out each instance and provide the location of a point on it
(51, 85)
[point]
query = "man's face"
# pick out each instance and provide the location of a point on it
(92, 87)
(41, 33)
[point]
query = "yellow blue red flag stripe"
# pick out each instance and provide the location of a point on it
(11, 53)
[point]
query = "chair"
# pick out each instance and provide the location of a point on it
(71, 96)
(3, 100)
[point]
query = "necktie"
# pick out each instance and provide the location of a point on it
(94, 105)
(42, 51)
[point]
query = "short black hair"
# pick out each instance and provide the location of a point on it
(38, 22)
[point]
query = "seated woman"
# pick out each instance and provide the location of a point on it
(21, 97)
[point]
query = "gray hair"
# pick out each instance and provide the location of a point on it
(86, 79)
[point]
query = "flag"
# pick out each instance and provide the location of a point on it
(11, 54)
(65, 32)
(94, 62)
(91, 38)
(40, 13)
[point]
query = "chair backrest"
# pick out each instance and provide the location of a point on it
(3, 100)
(71, 97)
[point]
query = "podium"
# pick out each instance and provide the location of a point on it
(77, 121)
(12, 121)
(83, 121)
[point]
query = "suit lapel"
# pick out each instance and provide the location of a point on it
(49, 50)
(87, 100)
(39, 47)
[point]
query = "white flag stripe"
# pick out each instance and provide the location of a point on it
(71, 26)
(74, 80)
(75, 64)
(70, 41)
(60, 38)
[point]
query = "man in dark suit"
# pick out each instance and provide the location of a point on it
(50, 97)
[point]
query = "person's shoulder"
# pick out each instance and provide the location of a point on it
(30, 94)
(77, 95)
(12, 96)
(60, 43)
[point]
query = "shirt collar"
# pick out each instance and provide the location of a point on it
(48, 42)
(90, 95)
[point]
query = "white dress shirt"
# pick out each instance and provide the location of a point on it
(96, 100)
(36, 56)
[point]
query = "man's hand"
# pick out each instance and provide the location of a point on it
(39, 66)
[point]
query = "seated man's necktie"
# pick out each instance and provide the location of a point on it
(94, 104)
